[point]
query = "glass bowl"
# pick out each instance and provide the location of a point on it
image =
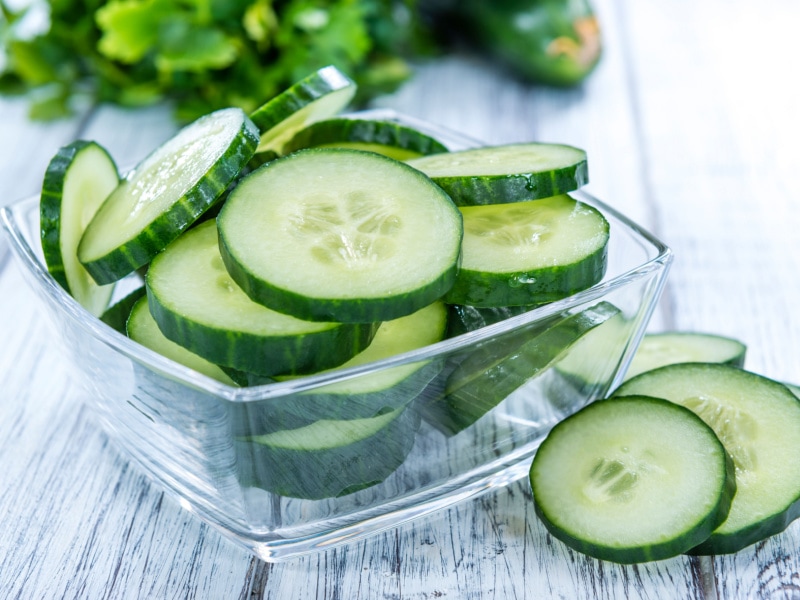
(295, 466)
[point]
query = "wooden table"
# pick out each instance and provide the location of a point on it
(691, 128)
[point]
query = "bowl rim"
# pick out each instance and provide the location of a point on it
(175, 371)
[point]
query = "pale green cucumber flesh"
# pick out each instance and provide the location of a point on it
(197, 305)
(328, 458)
(481, 380)
(78, 179)
(660, 349)
(167, 192)
(384, 137)
(142, 328)
(529, 252)
(757, 420)
(508, 173)
(320, 95)
(632, 480)
(340, 235)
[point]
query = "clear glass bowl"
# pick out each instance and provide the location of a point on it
(287, 468)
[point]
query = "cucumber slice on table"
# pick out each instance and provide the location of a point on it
(142, 328)
(197, 305)
(166, 193)
(631, 480)
(340, 235)
(384, 137)
(529, 252)
(509, 173)
(490, 373)
(758, 421)
(328, 458)
(78, 179)
(375, 393)
(660, 349)
(320, 95)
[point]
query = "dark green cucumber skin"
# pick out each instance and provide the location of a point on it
(141, 249)
(277, 355)
(329, 473)
(286, 104)
(50, 206)
(385, 133)
(480, 190)
(484, 378)
(116, 316)
(773, 524)
(666, 549)
(482, 289)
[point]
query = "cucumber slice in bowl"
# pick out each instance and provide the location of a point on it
(632, 479)
(509, 173)
(78, 179)
(384, 137)
(166, 193)
(340, 235)
(320, 95)
(529, 252)
(197, 305)
(757, 420)
(142, 328)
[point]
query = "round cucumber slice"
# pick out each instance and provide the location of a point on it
(660, 349)
(197, 305)
(631, 480)
(166, 193)
(78, 179)
(320, 95)
(340, 235)
(116, 316)
(508, 173)
(529, 252)
(384, 137)
(142, 328)
(757, 420)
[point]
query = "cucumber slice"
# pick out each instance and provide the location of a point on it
(659, 349)
(117, 314)
(78, 179)
(488, 375)
(320, 95)
(529, 252)
(166, 193)
(197, 305)
(142, 328)
(375, 393)
(340, 235)
(794, 389)
(384, 137)
(328, 458)
(463, 318)
(631, 480)
(757, 420)
(509, 173)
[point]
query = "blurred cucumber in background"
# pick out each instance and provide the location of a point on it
(207, 54)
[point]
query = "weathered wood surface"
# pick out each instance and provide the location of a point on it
(691, 128)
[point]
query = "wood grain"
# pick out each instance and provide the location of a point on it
(691, 128)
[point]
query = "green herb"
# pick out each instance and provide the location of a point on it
(200, 54)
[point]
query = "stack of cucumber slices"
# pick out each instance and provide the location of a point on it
(296, 240)
(691, 454)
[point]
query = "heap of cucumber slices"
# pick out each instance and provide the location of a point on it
(295, 240)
